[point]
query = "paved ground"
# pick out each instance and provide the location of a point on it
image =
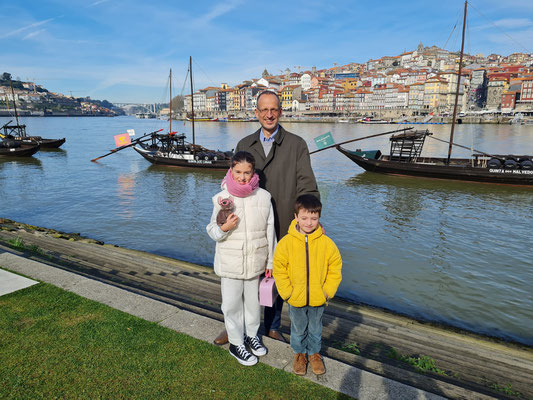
(339, 376)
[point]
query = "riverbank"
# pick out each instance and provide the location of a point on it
(419, 120)
(27, 113)
(366, 337)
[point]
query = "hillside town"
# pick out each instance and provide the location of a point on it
(35, 100)
(413, 86)
(416, 83)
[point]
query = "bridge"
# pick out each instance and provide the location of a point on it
(149, 107)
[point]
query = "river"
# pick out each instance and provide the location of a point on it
(454, 252)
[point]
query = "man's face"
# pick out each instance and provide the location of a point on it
(268, 112)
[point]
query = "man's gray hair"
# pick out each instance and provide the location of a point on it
(269, 92)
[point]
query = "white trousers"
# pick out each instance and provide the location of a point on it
(240, 305)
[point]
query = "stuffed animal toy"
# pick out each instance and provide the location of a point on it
(226, 208)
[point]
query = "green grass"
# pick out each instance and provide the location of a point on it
(420, 364)
(19, 244)
(507, 389)
(348, 347)
(55, 344)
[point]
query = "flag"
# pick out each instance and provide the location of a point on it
(122, 140)
(324, 141)
(131, 132)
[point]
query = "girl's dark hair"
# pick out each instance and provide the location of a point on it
(242, 156)
(309, 203)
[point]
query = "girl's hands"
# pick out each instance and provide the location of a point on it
(268, 273)
(230, 224)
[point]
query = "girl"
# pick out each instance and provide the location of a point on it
(244, 249)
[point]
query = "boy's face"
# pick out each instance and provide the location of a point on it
(307, 221)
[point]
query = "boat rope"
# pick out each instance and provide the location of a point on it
(207, 76)
(451, 33)
(463, 147)
(500, 29)
(184, 82)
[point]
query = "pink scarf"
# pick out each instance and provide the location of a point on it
(240, 190)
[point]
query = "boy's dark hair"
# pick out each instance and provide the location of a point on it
(242, 156)
(309, 203)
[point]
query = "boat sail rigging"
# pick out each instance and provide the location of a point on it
(172, 149)
(405, 155)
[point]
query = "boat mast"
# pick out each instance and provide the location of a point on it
(170, 104)
(14, 102)
(458, 85)
(192, 105)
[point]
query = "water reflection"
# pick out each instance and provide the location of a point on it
(19, 162)
(57, 151)
(126, 196)
(438, 185)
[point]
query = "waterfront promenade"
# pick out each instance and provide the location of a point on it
(476, 366)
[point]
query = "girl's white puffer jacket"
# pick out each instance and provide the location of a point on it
(246, 251)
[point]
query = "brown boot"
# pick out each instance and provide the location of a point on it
(222, 338)
(317, 364)
(300, 364)
(276, 335)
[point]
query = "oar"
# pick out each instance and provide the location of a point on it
(365, 137)
(126, 146)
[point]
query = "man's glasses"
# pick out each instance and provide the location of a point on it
(265, 111)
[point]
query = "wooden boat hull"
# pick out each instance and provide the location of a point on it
(24, 150)
(45, 143)
(203, 119)
(459, 169)
(180, 160)
(18, 132)
(51, 143)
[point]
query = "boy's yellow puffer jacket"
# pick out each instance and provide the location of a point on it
(307, 268)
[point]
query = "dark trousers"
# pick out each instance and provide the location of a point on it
(272, 316)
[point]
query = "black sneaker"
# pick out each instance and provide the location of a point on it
(242, 355)
(255, 345)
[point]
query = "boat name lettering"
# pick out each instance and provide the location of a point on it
(511, 171)
(200, 161)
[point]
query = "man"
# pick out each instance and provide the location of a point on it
(284, 168)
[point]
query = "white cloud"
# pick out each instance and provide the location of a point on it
(510, 23)
(24, 28)
(33, 34)
(218, 10)
(97, 2)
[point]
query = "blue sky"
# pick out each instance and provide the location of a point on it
(121, 50)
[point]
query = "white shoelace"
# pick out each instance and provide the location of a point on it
(243, 353)
(254, 343)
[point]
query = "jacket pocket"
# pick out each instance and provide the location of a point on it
(230, 257)
(317, 296)
(259, 254)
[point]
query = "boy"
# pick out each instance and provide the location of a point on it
(307, 270)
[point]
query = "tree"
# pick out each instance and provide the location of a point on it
(177, 103)
(6, 76)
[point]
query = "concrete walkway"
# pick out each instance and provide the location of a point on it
(339, 376)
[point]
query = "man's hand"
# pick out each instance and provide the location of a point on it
(230, 224)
